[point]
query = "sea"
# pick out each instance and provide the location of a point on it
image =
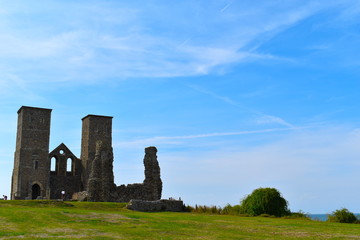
(323, 217)
(318, 217)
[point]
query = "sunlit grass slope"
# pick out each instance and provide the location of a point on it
(83, 220)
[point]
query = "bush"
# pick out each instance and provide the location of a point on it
(188, 208)
(203, 209)
(231, 210)
(342, 216)
(265, 201)
(298, 215)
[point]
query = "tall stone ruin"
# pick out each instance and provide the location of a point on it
(40, 174)
(151, 187)
(152, 182)
(101, 179)
(30, 177)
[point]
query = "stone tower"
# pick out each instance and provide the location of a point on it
(101, 186)
(94, 128)
(30, 178)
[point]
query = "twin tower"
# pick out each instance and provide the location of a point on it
(40, 174)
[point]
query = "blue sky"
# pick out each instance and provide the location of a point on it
(235, 95)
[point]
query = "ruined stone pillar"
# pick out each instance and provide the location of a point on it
(152, 182)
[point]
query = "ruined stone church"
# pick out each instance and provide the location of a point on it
(40, 174)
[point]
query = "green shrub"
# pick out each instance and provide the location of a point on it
(231, 210)
(188, 208)
(203, 209)
(342, 216)
(265, 201)
(297, 215)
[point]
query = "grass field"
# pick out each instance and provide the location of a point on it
(83, 220)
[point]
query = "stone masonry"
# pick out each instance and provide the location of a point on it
(156, 206)
(40, 174)
(101, 179)
(151, 188)
(30, 177)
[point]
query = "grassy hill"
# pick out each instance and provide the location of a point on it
(83, 220)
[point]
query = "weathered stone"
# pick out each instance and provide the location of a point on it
(152, 182)
(64, 179)
(151, 187)
(79, 196)
(30, 177)
(101, 179)
(91, 177)
(156, 206)
(94, 128)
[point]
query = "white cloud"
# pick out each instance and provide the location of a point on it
(122, 45)
(308, 167)
(184, 140)
(212, 94)
(12, 46)
(14, 86)
(266, 119)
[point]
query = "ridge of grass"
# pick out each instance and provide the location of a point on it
(89, 220)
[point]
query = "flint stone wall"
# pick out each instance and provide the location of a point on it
(131, 191)
(101, 186)
(101, 179)
(39, 174)
(156, 206)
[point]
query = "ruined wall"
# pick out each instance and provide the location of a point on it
(152, 182)
(156, 206)
(62, 178)
(151, 188)
(90, 177)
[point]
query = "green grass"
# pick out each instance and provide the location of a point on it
(84, 220)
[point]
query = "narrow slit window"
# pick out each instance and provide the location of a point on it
(36, 164)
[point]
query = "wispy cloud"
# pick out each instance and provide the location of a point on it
(170, 140)
(125, 47)
(226, 7)
(212, 94)
(15, 86)
(303, 165)
(262, 118)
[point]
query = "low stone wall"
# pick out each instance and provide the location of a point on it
(156, 206)
(124, 193)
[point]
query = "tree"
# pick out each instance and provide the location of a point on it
(265, 201)
(342, 216)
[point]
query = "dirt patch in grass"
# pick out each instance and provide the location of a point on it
(95, 235)
(5, 225)
(104, 217)
(307, 235)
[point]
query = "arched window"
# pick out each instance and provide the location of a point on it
(69, 165)
(53, 164)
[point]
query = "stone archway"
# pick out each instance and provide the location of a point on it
(35, 191)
